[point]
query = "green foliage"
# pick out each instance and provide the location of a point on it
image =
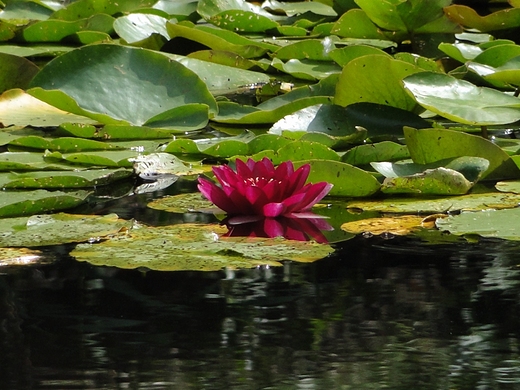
(97, 91)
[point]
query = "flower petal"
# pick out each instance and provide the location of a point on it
(273, 210)
(215, 194)
(273, 228)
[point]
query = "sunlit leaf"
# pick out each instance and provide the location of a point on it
(194, 247)
(136, 27)
(56, 229)
(20, 257)
(300, 7)
(105, 79)
(21, 109)
(468, 17)
(431, 145)
(399, 225)
(486, 223)
(470, 202)
(375, 79)
(17, 203)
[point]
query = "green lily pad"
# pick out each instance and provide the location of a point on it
(236, 15)
(432, 205)
(508, 186)
(356, 24)
(304, 150)
(381, 151)
(377, 79)
(215, 147)
(84, 8)
(507, 73)
(468, 17)
(104, 80)
(497, 56)
(462, 101)
(62, 144)
(348, 180)
(15, 72)
(300, 7)
(162, 164)
(111, 132)
(437, 181)
(307, 69)
(194, 247)
(309, 49)
(488, 223)
(276, 108)
(31, 10)
(431, 145)
(57, 229)
(342, 56)
(182, 203)
(110, 158)
(35, 50)
(27, 161)
(62, 179)
(461, 52)
(18, 203)
(21, 109)
(136, 26)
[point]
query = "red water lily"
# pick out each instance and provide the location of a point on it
(258, 189)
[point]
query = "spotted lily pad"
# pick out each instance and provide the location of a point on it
(17, 203)
(431, 205)
(486, 223)
(400, 225)
(56, 229)
(194, 247)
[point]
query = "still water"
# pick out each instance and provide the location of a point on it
(378, 314)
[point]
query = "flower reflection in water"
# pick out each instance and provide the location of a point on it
(300, 229)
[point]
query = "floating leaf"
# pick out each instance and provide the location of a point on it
(431, 145)
(347, 179)
(508, 186)
(62, 179)
(399, 226)
(462, 101)
(17, 203)
(468, 17)
(100, 159)
(136, 26)
(376, 79)
(27, 161)
(381, 151)
(301, 7)
(307, 69)
(194, 247)
(470, 202)
(438, 181)
(488, 223)
(182, 203)
(105, 79)
(21, 109)
(63, 144)
(57, 229)
(356, 24)
(161, 164)
(15, 72)
(20, 257)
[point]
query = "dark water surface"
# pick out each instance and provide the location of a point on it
(378, 314)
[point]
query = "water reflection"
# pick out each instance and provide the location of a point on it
(373, 316)
(299, 229)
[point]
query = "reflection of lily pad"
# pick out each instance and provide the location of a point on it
(194, 247)
(43, 230)
(439, 205)
(487, 223)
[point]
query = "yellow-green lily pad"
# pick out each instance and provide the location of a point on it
(194, 247)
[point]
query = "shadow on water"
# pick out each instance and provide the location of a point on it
(375, 315)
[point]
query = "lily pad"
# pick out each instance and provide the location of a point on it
(62, 179)
(347, 180)
(194, 247)
(15, 72)
(378, 79)
(462, 101)
(21, 109)
(104, 80)
(112, 159)
(18, 203)
(432, 205)
(431, 145)
(57, 229)
(381, 151)
(468, 17)
(488, 223)
(398, 225)
(182, 203)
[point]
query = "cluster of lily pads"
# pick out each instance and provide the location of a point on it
(410, 103)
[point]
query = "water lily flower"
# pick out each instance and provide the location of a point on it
(259, 190)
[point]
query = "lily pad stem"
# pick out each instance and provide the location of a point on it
(484, 131)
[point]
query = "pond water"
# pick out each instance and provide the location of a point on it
(378, 314)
